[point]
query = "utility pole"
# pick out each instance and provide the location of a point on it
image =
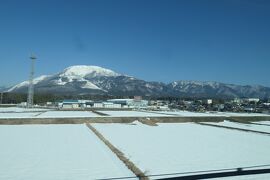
(30, 98)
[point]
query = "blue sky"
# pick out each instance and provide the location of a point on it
(156, 40)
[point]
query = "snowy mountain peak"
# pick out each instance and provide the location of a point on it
(91, 71)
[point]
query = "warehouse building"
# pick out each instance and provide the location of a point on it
(132, 103)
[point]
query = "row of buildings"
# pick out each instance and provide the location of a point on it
(112, 103)
(235, 105)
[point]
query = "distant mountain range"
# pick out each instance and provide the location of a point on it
(100, 81)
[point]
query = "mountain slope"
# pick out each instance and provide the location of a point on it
(98, 80)
(216, 89)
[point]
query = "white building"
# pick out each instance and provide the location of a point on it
(238, 101)
(111, 105)
(209, 101)
(98, 105)
(255, 100)
(136, 103)
(70, 104)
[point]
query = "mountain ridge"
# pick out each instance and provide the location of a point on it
(82, 79)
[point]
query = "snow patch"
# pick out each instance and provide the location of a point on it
(90, 85)
(60, 82)
(83, 71)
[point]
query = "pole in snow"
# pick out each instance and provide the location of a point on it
(30, 98)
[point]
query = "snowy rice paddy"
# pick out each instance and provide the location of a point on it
(18, 115)
(34, 113)
(207, 114)
(263, 122)
(74, 152)
(133, 114)
(240, 114)
(43, 152)
(185, 113)
(249, 177)
(16, 112)
(65, 114)
(17, 109)
(254, 127)
(186, 147)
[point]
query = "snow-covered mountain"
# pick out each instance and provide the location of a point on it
(71, 80)
(26, 83)
(216, 89)
(97, 80)
(88, 71)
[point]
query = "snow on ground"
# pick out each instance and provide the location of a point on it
(17, 109)
(185, 147)
(62, 152)
(185, 113)
(120, 113)
(263, 122)
(133, 114)
(17, 115)
(192, 114)
(65, 114)
(249, 177)
(241, 114)
(253, 127)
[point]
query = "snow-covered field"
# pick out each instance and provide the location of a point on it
(241, 114)
(63, 114)
(42, 113)
(254, 127)
(249, 177)
(16, 112)
(133, 114)
(17, 109)
(263, 122)
(196, 114)
(44, 152)
(18, 115)
(186, 147)
(185, 113)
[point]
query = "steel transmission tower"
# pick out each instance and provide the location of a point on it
(30, 98)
